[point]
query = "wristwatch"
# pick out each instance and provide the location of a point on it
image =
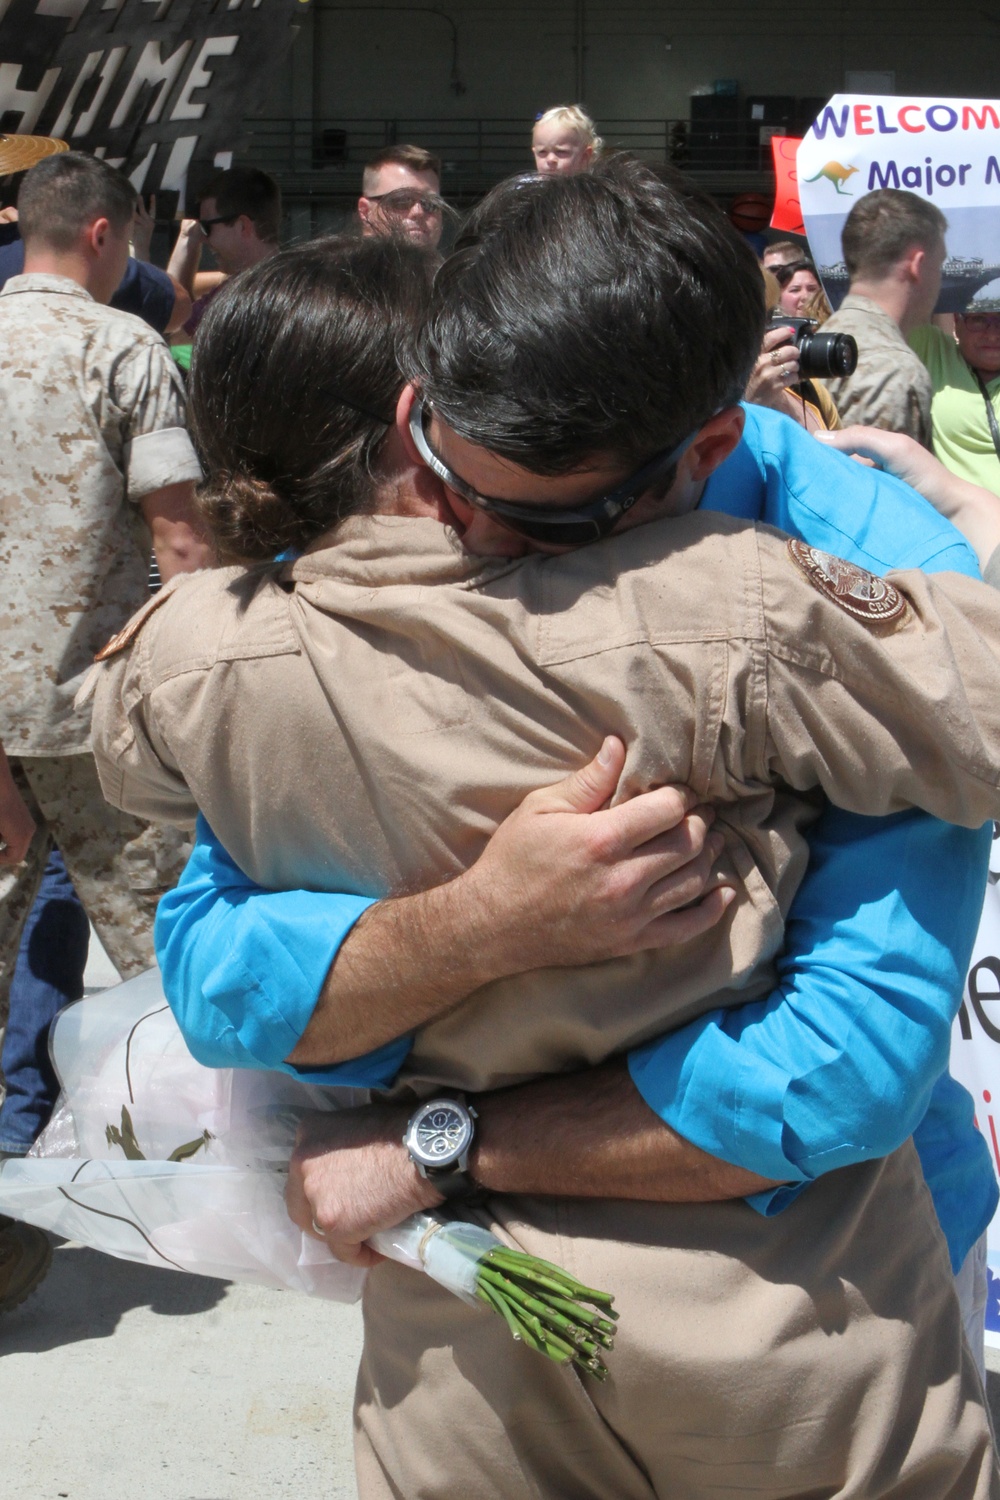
(438, 1137)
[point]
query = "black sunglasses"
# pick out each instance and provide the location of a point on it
(401, 200)
(565, 528)
(206, 224)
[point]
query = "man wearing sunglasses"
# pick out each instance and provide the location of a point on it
(573, 429)
(239, 220)
(401, 194)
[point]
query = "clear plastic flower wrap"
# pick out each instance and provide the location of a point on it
(151, 1157)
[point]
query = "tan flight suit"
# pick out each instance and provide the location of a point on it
(364, 721)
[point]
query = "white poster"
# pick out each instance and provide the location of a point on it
(975, 1060)
(946, 150)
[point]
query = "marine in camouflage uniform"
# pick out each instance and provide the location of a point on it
(92, 412)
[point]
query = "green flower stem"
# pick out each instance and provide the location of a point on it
(528, 1329)
(533, 1305)
(547, 1323)
(543, 1306)
(515, 1325)
(599, 1325)
(550, 1276)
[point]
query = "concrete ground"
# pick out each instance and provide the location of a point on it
(123, 1382)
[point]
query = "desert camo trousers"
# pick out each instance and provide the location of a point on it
(119, 865)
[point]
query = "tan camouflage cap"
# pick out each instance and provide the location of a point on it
(19, 152)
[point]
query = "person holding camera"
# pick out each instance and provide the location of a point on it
(791, 354)
(894, 249)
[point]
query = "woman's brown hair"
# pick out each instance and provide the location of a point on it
(294, 382)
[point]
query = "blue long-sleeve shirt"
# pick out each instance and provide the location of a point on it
(842, 1062)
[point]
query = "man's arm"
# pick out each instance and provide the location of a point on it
(181, 310)
(161, 466)
(410, 960)
(586, 1135)
(186, 254)
(180, 543)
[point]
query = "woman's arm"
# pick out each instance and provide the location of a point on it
(296, 980)
(837, 1065)
(974, 511)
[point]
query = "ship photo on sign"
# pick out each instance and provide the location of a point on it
(945, 150)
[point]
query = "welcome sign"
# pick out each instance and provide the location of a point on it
(945, 150)
(975, 1060)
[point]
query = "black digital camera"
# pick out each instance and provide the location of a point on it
(824, 354)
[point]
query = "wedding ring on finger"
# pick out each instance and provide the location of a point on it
(318, 1231)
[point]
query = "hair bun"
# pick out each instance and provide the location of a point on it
(248, 520)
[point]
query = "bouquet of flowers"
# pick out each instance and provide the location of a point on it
(151, 1157)
(540, 1303)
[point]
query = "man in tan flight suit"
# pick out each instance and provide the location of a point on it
(803, 1354)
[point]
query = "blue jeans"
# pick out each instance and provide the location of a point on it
(47, 976)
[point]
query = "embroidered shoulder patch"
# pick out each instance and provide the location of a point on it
(127, 635)
(863, 595)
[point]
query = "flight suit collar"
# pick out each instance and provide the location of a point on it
(380, 551)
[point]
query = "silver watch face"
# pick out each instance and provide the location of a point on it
(439, 1133)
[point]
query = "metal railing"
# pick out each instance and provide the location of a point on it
(477, 150)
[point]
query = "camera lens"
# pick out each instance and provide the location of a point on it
(828, 354)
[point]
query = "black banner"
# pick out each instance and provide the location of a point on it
(155, 86)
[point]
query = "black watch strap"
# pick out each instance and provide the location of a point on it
(455, 1184)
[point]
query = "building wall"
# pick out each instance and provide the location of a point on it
(639, 61)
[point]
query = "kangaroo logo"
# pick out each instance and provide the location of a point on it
(837, 174)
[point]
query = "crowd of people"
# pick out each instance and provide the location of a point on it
(460, 525)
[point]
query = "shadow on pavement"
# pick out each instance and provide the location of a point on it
(86, 1294)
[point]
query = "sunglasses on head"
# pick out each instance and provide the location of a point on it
(564, 528)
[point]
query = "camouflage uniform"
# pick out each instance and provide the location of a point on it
(890, 388)
(119, 865)
(92, 417)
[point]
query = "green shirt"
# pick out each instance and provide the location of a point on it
(962, 438)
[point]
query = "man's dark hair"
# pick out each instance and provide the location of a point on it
(610, 313)
(883, 225)
(414, 157)
(294, 383)
(63, 194)
(247, 190)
